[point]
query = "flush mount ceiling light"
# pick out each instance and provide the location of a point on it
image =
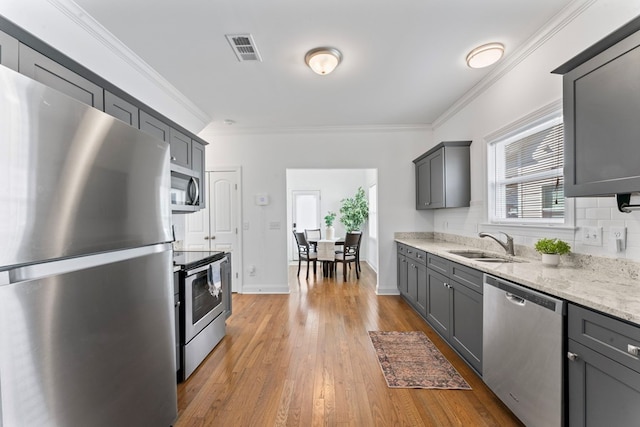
(323, 60)
(485, 55)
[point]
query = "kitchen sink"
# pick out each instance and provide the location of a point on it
(483, 256)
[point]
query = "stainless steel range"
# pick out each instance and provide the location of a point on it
(205, 295)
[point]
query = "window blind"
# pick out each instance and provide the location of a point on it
(529, 182)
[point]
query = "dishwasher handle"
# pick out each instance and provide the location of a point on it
(515, 299)
(520, 295)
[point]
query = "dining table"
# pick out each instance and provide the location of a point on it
(326, 253)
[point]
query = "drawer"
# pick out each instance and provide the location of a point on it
(402, 248)
(417, 255)
(608, 336)
(438, 264)
(466, 276)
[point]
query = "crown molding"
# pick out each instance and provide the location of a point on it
(557, 23)
(98, 32)
(316, 129)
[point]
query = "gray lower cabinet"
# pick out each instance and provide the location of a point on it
(438, 302)
(48, 72)
(8, 51)
(412, 277)
(448, 295)
(443, 177)
(121, 109)
(403, 279)
(466, 323)
(454, 307)
(603, 369)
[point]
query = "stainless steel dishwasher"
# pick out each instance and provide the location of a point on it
(522, 351)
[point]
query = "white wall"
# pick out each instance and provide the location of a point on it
(265, 159)
(522, 90)
(334, 185)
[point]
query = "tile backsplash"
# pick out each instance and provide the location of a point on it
(599, 212)
(603, 212)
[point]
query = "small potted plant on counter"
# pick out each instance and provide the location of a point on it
(328, 221)
(551, 249)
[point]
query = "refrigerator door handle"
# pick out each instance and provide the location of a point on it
(39, 271)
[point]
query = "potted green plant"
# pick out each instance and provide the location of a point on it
(328, 221)
(354, 211)
(551, 249)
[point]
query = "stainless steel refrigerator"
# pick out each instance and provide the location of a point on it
(86, 297)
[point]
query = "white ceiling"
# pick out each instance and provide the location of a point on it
(403, 60)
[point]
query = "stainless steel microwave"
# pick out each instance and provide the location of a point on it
(185, 190)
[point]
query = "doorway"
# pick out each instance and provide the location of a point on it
(305, 214)
(334, 185)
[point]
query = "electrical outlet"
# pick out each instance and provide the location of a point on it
(592, 236)
(619, 238)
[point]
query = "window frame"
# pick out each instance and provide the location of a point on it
(538, 121)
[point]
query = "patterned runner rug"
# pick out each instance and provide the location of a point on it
(411, 360)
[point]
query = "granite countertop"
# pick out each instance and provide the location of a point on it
(612, 292)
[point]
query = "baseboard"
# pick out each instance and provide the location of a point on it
(265, 289)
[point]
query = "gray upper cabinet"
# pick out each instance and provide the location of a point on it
(601, 108)
(43, 69)
(121, 109)
(8, 51)
(180, 148)
(443, 177)
(430, 181)
(153, 126)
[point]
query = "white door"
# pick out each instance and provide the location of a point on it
(305, 214)
(216, 227)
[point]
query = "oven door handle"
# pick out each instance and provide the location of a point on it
(204, 267)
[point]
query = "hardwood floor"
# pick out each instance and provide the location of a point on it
(305, 359)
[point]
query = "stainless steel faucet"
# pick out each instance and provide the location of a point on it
(508, 246)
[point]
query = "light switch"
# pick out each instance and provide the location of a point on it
(592, 236)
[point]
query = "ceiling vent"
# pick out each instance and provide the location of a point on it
(244, 47)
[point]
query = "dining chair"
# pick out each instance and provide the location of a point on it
(314, 234)
(354, 251)
(304, 252)
(349, 254)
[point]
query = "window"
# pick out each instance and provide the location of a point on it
(526, 182)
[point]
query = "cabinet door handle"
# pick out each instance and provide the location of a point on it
(572, 356)
(173, 158)
(632, 349)
(206, 237)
